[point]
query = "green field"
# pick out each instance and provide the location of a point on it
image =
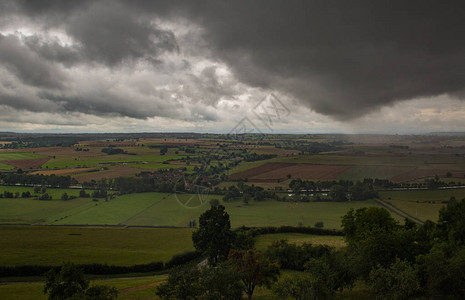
(54, 192)
(70, 161)
(5, 167)
(423, 195)
(381, 172)
(263, 241)
(18, 155)
(420, 210)
(116, 211)
(445, 162)
(159, 209)
(422, 204)
(54, 245)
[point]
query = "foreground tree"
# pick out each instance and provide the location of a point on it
(69, 282)
(375, 238)
(443, 269)
(254, 269)
(398, 281)
(297, 286)
(206, 283)
(65, 282)
(214, 237)
(451, 224)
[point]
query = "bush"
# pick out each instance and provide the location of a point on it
(399, 281)
(292, 256)
(182, 259)
(191, 282)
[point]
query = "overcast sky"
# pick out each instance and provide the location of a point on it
(217, 66)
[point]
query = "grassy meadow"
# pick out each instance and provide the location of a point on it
(18, 155)
(161, 209)
(422, 204)
(54, 245)
(6, 167)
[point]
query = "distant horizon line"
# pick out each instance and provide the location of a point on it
(226, 133)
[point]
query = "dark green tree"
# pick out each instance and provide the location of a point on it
(398, 281)
(100, 292)
(65, 282)
(375, 238)
(69, 282)
(214, 237)
(254, 269)
(451, 222)
(338, 193)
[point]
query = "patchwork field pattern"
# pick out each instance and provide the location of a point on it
(22, 160)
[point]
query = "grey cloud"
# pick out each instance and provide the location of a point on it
(53, 50)
(105, 103)
(27, 65)
(208, 88)
(110, 33)
(24, 103)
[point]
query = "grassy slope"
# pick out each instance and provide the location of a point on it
(47, 245)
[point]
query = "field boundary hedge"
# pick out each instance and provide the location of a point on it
(103, 269)
(255, 231)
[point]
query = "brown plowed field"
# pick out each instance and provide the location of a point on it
(274, 171)
(268, 167)
(25, 164)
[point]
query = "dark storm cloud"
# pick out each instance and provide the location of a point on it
(340, 58)
(110, 33)
(106, 31)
